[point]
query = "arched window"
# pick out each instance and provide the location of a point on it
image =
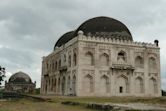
(75, 59)
(139, 62)
(89, 59)
(122, 57)
(69, 60)
(104, 59)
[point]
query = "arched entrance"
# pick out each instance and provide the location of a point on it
(122, 85)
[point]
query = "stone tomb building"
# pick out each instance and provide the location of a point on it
(20, 82)
(100, 58)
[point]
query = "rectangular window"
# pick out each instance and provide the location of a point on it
(121, 89)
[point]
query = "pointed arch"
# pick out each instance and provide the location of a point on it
(88, 84)
(55, 85)
(69, 61)
(122, 56)
(153, 88)
(52, 84)
(89, 58)
(152, 64)
(68, 85)
(104, 59)
(63, 85)
(122, 84)
(139, 85)
(104, 82)
(56, 65)
(75, 59)
(59, 84)
(74, 85)
(139, 62)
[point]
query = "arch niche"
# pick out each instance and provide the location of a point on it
(88, 84)
(139, 85)
(153, 86)
(104, 59)
(63, 85)
(122, 84)
(139, 62)
(104, 84)
(89, 59)
(74, 85)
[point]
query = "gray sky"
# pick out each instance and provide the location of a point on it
(30, 28)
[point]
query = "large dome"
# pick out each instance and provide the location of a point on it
(20, 77)
(99, 26)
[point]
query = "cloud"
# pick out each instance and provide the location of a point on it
(29, 29)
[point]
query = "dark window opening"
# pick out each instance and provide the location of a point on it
(121, 89)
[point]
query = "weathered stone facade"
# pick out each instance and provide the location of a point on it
(20, 82)
(99, 65)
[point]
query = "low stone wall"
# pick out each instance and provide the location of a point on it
(96, 106)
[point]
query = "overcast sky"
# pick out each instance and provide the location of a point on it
(30, 28)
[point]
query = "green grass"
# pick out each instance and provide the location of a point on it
(29, 105)
(55, 103)
(159, 100)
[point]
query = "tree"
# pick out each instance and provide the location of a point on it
(2, 74)
(163, 93)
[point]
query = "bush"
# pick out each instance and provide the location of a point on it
(37, 91)
(163, 93)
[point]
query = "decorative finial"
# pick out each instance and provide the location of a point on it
(156, 42)
(80, 32)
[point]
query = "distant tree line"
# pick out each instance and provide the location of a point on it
(163, 93)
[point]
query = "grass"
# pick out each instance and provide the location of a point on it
(158, 100)
(55, 103)
(29, 105)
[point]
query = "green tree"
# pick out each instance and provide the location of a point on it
(2, 74)
(163, 93)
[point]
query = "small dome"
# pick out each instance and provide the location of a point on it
(64, 39)
(20, 77)
(99, 26)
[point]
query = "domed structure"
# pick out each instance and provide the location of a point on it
(100, 58)
(20, 82)
(99, 26)
(20, 77)
(64, 38)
